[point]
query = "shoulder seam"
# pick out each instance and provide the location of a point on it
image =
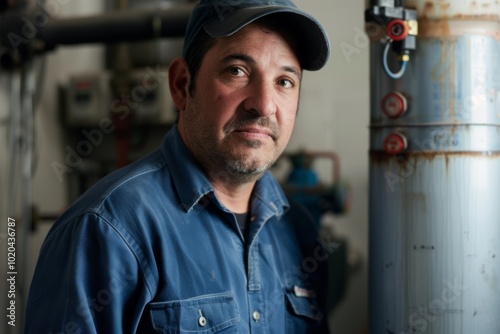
(117, 231)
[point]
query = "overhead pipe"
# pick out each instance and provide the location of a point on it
(111, 27)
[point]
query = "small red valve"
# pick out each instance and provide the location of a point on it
(397, 30)
(395, 143)
(394, 105)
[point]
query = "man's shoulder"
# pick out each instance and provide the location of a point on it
(124, 190)
(132, 180)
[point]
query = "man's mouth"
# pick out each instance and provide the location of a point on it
(256, 132)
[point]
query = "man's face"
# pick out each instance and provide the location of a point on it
(241, 114)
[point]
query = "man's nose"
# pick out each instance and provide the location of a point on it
(261, 98)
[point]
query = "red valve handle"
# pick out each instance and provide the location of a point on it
(397, 30)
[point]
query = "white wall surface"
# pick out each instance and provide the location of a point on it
(333, 116)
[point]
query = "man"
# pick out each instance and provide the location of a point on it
(198, 237)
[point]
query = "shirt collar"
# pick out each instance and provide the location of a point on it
(192, 184)
(268, 192)
(189, 179)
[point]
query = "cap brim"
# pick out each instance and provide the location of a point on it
(312, 39)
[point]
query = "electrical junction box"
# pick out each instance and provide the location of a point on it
(149, 97)
(88, 98)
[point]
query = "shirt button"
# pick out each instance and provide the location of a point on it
(202, 321)
(256, 316)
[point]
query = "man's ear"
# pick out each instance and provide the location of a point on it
(178, 80)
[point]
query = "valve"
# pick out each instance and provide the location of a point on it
(394, 105)
(401, 30)
(397, 30)
(395, 143)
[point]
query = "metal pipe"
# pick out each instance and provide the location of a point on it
(120, 26)
(13, 178)
(130, 25)
(434, 212)
(27, 120)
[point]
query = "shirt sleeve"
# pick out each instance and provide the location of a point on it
(87, 280)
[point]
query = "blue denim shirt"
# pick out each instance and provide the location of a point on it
(150, 249)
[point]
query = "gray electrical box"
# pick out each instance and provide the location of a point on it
(88, 98)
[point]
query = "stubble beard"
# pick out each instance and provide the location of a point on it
(220, 162)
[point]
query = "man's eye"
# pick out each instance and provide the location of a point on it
(236, 71)
(285, 83)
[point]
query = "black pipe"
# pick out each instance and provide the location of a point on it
(112, 27)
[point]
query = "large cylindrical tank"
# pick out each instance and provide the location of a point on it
(435, 207)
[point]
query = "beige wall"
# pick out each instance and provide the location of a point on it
(334, 115)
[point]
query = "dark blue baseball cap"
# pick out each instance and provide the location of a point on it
(222, 18)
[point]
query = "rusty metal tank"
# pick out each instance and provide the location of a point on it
(435, 176)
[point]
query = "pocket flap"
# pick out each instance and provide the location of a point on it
(304, 305)
(202, 314)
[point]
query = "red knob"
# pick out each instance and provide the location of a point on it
(397, 30)
(395, 143)
(394, 105)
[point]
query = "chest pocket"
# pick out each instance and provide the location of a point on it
(304, 311)
(203, 314)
